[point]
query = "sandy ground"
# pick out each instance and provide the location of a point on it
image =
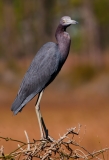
(87, 105)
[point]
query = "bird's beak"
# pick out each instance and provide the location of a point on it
(74, 22)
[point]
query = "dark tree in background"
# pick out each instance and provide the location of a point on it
(26, 25)
(32, 23)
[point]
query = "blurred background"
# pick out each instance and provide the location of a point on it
(80, 93)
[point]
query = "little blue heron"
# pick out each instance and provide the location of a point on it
(44, 68)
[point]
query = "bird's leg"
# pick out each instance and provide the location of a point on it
(42, 126)
(43, 130)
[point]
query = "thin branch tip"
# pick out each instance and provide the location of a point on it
(66, 147)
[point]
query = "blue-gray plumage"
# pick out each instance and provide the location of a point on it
(45, 66)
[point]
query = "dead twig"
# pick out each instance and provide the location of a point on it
(64, 148)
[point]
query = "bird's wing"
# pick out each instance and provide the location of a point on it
(41, 72)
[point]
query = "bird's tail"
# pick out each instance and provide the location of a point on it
(17, 105)
(20, 102)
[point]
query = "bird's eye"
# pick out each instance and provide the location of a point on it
(63, 21)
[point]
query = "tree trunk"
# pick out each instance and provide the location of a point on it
(46, 19)
(90, 29)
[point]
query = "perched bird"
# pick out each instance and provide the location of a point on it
(43, 69)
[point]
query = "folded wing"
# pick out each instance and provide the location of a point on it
(43, 69)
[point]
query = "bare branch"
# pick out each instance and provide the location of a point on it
(27, 140)
(65, 147)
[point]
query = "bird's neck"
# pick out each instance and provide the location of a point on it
(63, 41)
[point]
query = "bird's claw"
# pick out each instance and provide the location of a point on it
(49, 138)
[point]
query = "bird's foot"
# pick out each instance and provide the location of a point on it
(48, 138)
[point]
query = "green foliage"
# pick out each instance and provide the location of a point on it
(77, 43)
(13, 66)
(2, 55)
(101, 9)
(1, 12)
(18, 9)
(76, 3)
(82, 74)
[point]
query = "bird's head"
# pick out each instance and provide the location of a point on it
(67, 21)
